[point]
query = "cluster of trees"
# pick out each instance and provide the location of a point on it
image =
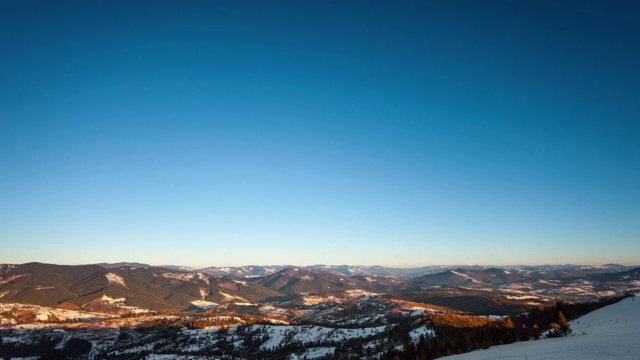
(161, 323)
(205, 321)
(46, 347)
(458, 321)
(202, 321)
(458, 334)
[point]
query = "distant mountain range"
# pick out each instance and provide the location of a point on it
(122, 287)
(564, 270)
(153, 288)
(292, 281)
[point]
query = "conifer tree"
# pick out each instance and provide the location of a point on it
(564, 324)
(535, 332)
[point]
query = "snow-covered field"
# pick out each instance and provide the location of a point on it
(41, 313)
(279, 335)
(612, 332)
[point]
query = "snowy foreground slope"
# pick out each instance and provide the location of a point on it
(612, 332)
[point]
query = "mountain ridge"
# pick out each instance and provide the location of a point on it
(164, 289)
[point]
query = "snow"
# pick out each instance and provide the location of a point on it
(314, 299)
(496, 317)
(418, 311)
(311, 333)
(465, 276)
(115, 279)
(43, 313)
(608, 333)
(204, 304)
(111, 300)
(432, 287)
(231, 297)
(319, 299)
(421, 331)
(11, 278)
(173, 357)
(314, 353)
(121, 303)
(589, 267)
(203, 277)
(360, 293)
(180, 276)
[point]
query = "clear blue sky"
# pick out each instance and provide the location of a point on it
(396, 133)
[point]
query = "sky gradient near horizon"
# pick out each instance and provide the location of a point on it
(303, 132)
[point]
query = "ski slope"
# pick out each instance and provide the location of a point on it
(612, 332)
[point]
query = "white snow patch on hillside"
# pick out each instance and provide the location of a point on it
(174, 357)
(465, 276)
(608, 333)
(122, 304)
(43, 313)
(203, 277)
(318, 299)
(179, 276)
(231, 297)
(111, 300)
(204, 304)
(417, 310)
(11, 278)
(589, 267)
(421, 331)
(309, 334)
(314, 353)
(432, 287)
(360, 293)
(115, 279)
(44, 287)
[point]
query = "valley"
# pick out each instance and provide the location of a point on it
(127, 311)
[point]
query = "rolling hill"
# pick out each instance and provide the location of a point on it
(473, 278)
(134, 286)
(146, 288)
(300, 281)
